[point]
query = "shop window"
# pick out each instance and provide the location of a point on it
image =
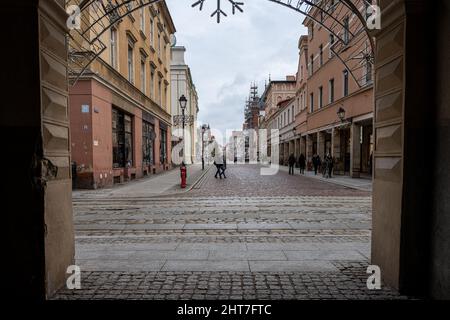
(148, 143)
(122, 138)
(163, 146)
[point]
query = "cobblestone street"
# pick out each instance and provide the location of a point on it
(244, 237)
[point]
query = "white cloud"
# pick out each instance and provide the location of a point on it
(225, 58)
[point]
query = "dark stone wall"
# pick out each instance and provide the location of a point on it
(440, 241)
(20, 119)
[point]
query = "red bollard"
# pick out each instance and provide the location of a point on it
(183, 176)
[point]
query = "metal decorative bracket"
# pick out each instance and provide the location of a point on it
(354, 46)
(178, 120)
(219, 12)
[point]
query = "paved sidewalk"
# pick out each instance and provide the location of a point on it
(346, 181)
(167, 183)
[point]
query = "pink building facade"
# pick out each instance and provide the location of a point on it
(113, 139)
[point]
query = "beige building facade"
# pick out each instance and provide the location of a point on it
(183, 84)
(121, 107)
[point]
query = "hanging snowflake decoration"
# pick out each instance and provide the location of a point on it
(219, 12)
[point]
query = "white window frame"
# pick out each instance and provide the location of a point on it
(130, 62)
(143, 75)
(331, 90)
(113, 48)
(142, 19)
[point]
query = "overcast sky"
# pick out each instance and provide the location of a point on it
(225, 58)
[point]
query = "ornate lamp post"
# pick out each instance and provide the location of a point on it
(183, 119)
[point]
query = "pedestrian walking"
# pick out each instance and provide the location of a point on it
(219, 163)
(224, 166)
(329, 162)
(316, 163)
(291, 162)
(302, 163)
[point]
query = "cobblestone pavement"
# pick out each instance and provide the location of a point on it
(244, 237)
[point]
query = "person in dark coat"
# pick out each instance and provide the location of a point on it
(316, 163)
(291, 163)
(329, 162)
(302, 163)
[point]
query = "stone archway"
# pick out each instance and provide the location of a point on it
(411, 223)
(410, 239)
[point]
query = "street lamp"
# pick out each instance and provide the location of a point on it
(183, 103)
(341, 114)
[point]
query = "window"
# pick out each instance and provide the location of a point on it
(130, 64)
(152, 28)
(148, 144)
(159, 44)
(113, 46)
(332, 6)
(367, 4)
(289, 116)
(165, 96)
(143, 77)
(345, 83)
(331, 54)
(321, 55)
(292, 113)
(122, 139)
(311, 30)
(320, 97)
(311, 65)
(142, 19)
(165, 51)
(163, 146)
(311, 101)
(368, 71)
(160, 92)
(346, 37)
(331, 86)
(368, 67)
(152, 82)
(129, 6)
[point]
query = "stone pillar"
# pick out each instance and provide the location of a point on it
(286, 153)
(295, 143)
(39, 231)
(321, 144)
(281, 158)
(337, 152)
(309, 148)
(301, 146)
(355, 151)
(410, 240)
